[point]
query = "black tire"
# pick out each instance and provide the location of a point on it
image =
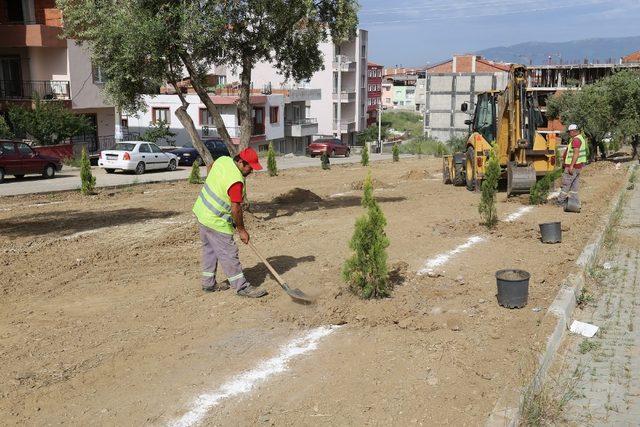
(471, 176)
(49, 171)
(172, 165)
(140, 168)
(1, 175)
(110, 170)
(312, 155)
(19, 176)
(348, 153)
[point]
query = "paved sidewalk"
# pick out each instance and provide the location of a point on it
(69, 178)
(609, 388)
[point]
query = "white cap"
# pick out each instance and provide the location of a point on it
(572, 127)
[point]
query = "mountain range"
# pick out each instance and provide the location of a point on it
(537, 53)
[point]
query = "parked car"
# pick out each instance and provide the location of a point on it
(18, 159)
(188, 154)
(332, 146)
(137, 156)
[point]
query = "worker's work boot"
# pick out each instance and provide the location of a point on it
(250, 291)
(222, 286)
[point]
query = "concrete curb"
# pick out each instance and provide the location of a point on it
(506, 412)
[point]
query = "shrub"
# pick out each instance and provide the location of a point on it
(157, 131)
(364, 160)
(88, 181)
(420, 146)
(540, 190)
(366, 270)
(271, 161)
(194, 176)
(396, 152)
(488, 208)
(324, 161)
(5, 130)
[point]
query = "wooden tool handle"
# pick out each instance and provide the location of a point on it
(271, 269)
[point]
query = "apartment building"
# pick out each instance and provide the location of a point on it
(341, 108)
(267, 111)
(451, 83)
(35, 61)
(374, 92)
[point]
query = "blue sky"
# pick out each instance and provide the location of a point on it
(417, 32)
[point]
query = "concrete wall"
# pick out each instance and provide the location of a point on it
(84, 93)
(445, 94)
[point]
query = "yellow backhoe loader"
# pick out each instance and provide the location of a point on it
(506, 120)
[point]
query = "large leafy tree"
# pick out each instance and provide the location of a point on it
(48, 122)
(610, 105)
(143, 44)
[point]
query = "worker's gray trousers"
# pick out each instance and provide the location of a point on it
(570, 187)
(220, 248)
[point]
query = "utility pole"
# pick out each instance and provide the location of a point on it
(339, 90)
(380, 127)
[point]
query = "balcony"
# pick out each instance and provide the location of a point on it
(348, 95)
(344, 63)
(44, 31)
(30, 89)
(346, 126)
(301, 127)
(302, 94)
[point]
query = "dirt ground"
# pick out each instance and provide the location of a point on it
(102, 319)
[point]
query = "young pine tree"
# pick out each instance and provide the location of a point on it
(324, 161)
(364, 160)
(88, 181)
(488, 204)
(366, 270)
(271, 161)
(396, 152)
(194, 176)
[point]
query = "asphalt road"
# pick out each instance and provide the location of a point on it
(69, 178)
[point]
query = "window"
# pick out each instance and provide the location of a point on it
(25, 150)
(6, 148)
(273, 114)
(144, 148)
(155, 148)
(124, 122)
(205, 118)
(263, 148)
(161, 114)
(363, 51)
(98, 75)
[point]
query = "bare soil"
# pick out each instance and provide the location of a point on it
(102, 319)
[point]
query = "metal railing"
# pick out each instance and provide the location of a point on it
(30, 89)
(303, 121)
(105, 142)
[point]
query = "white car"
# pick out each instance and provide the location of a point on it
(137, 156)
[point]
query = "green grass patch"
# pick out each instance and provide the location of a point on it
(587, 345)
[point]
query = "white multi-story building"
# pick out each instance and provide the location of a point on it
(35, 60)
(342, 106)
(266, 111)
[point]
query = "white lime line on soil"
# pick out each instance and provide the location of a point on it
(517, 214)
(442, 259)
(246, 381)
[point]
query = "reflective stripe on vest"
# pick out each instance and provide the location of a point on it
(217, 199)
(215, 211)
(582, 153)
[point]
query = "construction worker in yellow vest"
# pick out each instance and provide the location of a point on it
(219, 212)
(575, 157)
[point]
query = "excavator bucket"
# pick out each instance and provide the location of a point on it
(520, 179)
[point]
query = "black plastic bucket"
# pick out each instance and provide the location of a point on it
(513, 288)
(551, 232)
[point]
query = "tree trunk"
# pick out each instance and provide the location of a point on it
(211, 107)
(187, 123)
(244, 104)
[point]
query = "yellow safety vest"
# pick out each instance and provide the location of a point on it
(582, 156)
(213, 206)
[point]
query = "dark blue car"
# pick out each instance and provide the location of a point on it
(187, 154)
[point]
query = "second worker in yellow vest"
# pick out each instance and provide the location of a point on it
(575, 157)
(219, 212)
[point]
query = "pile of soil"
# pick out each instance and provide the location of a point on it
(297, 195)
(358, 185)
(415, 175)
